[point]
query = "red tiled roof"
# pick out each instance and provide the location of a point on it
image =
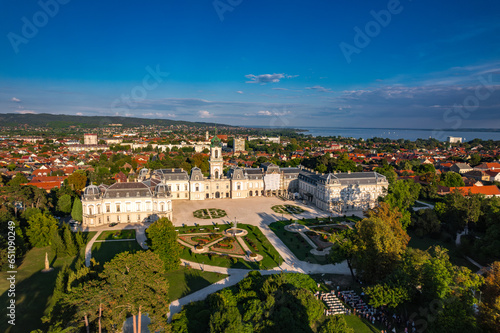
(486, 190)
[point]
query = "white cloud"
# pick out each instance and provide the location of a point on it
(320, 89)
(14, 99)
(279, 89)
(26, 112)
(267, 113)
(205, 114)
(239, 92)
(79, 114)
(268, 78)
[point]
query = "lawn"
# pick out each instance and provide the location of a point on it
(203, 228)
(296, 243)
(33, 289)
(105, 251)
(423, 243)
(360, 325)
(87, 236)
(255, 235)
(118, 234)
(185, 281)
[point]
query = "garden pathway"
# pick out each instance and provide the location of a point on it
(88, 248)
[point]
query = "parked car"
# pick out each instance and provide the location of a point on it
(113, 224)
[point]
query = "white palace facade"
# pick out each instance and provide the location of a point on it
(151, 196)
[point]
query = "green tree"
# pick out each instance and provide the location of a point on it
(377, 249)
(64, 204)
(343, 248)
(77, 181)
(385, 295)
(41, 229)
(336, 324)
(137, 285)
(69, 243)
(403, 195)
(452, 179)
(77, 211)
(489, 308)
(388, 171)
(18, 179)
(426, 222)
(163, 241)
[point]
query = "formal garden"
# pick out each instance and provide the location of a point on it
(211, 245)
(209, 213)
(316, 230)
(287, 209)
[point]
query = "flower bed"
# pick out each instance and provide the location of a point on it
(287, 209)
(229, 247)
(210, 213)
(251, 244)
(217, 213)
(201, 214)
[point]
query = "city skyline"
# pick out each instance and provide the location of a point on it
(384, 64)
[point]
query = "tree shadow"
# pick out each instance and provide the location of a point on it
(32, 296)
(194, 281)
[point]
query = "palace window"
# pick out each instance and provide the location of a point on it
(108, 208)
(118, 208)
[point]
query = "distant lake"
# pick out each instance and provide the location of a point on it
(395, 134)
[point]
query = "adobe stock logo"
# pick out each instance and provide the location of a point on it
(138, 93)
(372, 29)
(222, 6)
(30, 28)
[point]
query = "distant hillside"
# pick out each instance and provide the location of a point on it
(61, 121)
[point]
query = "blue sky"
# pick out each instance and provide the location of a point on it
(339, 63)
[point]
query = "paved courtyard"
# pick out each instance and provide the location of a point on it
(255, 211)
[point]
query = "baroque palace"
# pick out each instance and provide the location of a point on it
(151, 196)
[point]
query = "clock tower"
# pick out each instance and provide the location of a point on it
(216, 161)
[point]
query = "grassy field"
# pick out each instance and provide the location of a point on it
(296, 243)
(185, 281)
(118, 234)
(33, 288)
(105, 251)
(264, 247)
(360, 325)
(423, 243)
